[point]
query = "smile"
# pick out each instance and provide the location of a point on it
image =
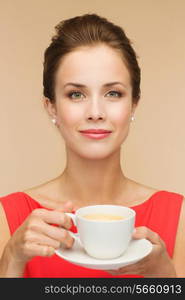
(96, 136)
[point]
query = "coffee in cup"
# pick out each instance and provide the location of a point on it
(102, 217)
(105, 231)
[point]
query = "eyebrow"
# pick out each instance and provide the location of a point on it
(104, 85)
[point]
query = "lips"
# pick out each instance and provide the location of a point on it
(95, 131)
(96, 134)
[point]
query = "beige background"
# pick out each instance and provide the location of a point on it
(32, 151)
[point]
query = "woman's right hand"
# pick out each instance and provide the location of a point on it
(38, 237)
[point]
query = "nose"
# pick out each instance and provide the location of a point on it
(95, 111)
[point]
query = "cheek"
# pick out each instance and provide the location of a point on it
(120, 115)
(69, 115)
(121, 121)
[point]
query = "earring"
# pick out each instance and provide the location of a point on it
(132, 118)
(54, 121)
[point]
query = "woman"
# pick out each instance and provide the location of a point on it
(91, 91)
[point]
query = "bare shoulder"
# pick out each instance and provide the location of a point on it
(139, 193)
(4, 230)
(146, 191)
(46, 193)
(179, 250)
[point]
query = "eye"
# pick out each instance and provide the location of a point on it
(115, 92)
(70, 95)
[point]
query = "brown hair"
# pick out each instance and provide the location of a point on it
(88, 30)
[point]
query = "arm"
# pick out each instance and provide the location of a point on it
(7, 265)
(179, 249)
(34, 237)
(165, 266)
(5, 232)
(156, 264)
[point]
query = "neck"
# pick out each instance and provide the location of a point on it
(88, 181)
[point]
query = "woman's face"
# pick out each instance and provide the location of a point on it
(93, 105)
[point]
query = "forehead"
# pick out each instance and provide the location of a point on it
(92, 65)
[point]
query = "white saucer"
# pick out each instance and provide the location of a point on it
(137, 250)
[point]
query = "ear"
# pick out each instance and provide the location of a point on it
(50, 107)
(134, 106)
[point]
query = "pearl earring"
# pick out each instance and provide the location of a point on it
(54, 121)
(132, 118)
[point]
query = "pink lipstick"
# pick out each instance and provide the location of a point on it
(96, 134)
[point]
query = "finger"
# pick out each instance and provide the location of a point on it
(59, 234)
(110, 272)
(122, 270)
(53, 217)
(42, 239)
(118, 273)
(32, 249)
(67, 206)
(129, 269)
(113, 272)
(63, 206)
(144, 232)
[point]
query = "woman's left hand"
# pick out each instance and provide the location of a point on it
(156, 264)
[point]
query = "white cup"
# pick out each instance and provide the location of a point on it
(104, 239)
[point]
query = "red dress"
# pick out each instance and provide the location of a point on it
(160, 213)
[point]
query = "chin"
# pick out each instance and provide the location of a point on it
(94, 152)
(96, 155)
